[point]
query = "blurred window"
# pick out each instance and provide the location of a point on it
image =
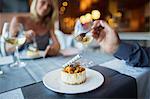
(14, 6)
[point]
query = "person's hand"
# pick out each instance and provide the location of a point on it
(29, 35)
(107, 38)
(51, 50)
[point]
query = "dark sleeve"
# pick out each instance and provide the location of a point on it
(134, 55)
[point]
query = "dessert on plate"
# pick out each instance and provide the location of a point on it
(73, 74)
(32, 52)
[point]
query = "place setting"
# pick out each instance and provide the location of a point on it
(73, 78)
(14, 42)
(31, 53)
(60, 49)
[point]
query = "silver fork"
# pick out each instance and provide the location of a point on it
(82, 35)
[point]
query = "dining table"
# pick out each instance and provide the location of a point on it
(27, 82)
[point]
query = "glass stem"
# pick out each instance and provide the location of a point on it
(85, 49)
(17, 54)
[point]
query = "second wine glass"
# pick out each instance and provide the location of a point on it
(17, 42)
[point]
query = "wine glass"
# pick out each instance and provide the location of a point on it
(17, 42)
(83, 28)
(81, 41)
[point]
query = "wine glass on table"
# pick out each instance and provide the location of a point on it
(17, 41)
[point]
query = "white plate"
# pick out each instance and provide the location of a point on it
(23, 55)
(52, 81)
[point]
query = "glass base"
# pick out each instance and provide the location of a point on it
(87, 63)
(1, 72)
(18, 65)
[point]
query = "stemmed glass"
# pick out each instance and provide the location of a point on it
(17, 41)
(82, 28)
(84, 41)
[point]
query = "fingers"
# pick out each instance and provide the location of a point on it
(102, 23)
(47, 51)
(95, 29)
(107, 28)
(50, 51)
(96, 24)
(29, 35)
(101, 36)
(99, 27)
(95, 34)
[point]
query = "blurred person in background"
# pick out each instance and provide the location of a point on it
(39, 26)
(108, 39)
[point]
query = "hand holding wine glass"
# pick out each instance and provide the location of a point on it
(81, 32)
(107, 38)
(85, 37)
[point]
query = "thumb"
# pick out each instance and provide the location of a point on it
(31, 33)
(106, 26)
(95, 24)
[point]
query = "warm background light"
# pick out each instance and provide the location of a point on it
(83, 19)
(88, 17)
(65, 3)
(86, 4)
(118, 14)
(62, 9)
(112, 23)
(96, 14)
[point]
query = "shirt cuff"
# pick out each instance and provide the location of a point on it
(124, 51)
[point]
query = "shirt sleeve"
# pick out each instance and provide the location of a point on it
(134, 55)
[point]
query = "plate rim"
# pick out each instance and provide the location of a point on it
(28, 57)
(53, 89)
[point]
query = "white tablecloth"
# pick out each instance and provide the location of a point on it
(142, 75)
(14, 94)
(6, 60)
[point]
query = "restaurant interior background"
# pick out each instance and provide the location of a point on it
(123, 15)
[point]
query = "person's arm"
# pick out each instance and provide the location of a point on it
(54, 48)
(14, 26)
(13, 32)
(134, 55)
(109, 41)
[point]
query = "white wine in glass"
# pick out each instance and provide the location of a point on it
(17, 42)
